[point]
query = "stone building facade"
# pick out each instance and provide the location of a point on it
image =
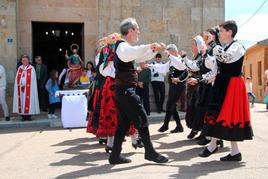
(255, 64)
(168, 21)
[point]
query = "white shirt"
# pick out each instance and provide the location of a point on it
(160, 77)
(3, 82)
(139, 53)
(249, 87)
(109, 70)
(176, 62)
(231, 55)
(210, 63)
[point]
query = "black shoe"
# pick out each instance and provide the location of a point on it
(192, 134)
(119, 160)
(199, 137)
(108, 149)
(237, 157)
(163, 129)
(139, 144)
(220, 143)
(158, 111)
(7, 118)
(177, 129)
(157, 158)
(203, 141)
(102, 141)
(206, 152)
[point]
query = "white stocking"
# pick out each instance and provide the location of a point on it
(110, 141)
(213, 144)
(134, 138)
(234, 148)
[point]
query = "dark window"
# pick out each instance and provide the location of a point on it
(259, 74)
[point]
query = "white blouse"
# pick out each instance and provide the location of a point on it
(231, 55)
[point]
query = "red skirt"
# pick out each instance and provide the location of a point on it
(108, 118)
(233, 122)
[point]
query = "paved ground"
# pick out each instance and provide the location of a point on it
(59, 153)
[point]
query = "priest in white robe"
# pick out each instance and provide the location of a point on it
(25, 99)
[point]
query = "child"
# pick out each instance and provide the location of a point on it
(52, 87)
(84, 79)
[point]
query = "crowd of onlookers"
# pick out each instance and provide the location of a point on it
(35, 77)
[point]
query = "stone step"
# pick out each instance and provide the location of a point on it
(45, 122)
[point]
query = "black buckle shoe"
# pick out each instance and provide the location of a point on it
(207, 153)
(203, 141)
(119, 160)
(177, 129)
(139, 144)
(192, 134)
(163, 129)
(229, 157)
(157, 158)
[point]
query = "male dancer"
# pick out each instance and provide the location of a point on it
(176, 68)
(128, 102)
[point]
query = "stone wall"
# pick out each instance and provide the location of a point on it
(8, 44)
(168, 21)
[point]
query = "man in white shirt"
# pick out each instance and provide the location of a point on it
(158, 84)
(126, 79)
(250, 91)
(3, 92)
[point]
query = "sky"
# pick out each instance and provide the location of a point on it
(255, 29)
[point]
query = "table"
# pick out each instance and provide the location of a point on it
(74, 108)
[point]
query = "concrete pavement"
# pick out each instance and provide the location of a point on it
(45, 152)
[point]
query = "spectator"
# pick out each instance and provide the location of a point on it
(41, 76)
(84, 79)
(52, 87)
(144, 79)
(3, 85)
(158, 84)
(25, 99)
(250, 91)
(90, 67)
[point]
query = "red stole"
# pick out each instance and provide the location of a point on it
(26, 89)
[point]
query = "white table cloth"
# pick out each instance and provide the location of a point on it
(74, 108)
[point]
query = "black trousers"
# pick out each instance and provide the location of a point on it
(42, 96)
(159, 94)
(144, 97)
(130, 110)
(174, 94)
(52, 108)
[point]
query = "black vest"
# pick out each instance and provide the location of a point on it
(231, 69)
(125, 73)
